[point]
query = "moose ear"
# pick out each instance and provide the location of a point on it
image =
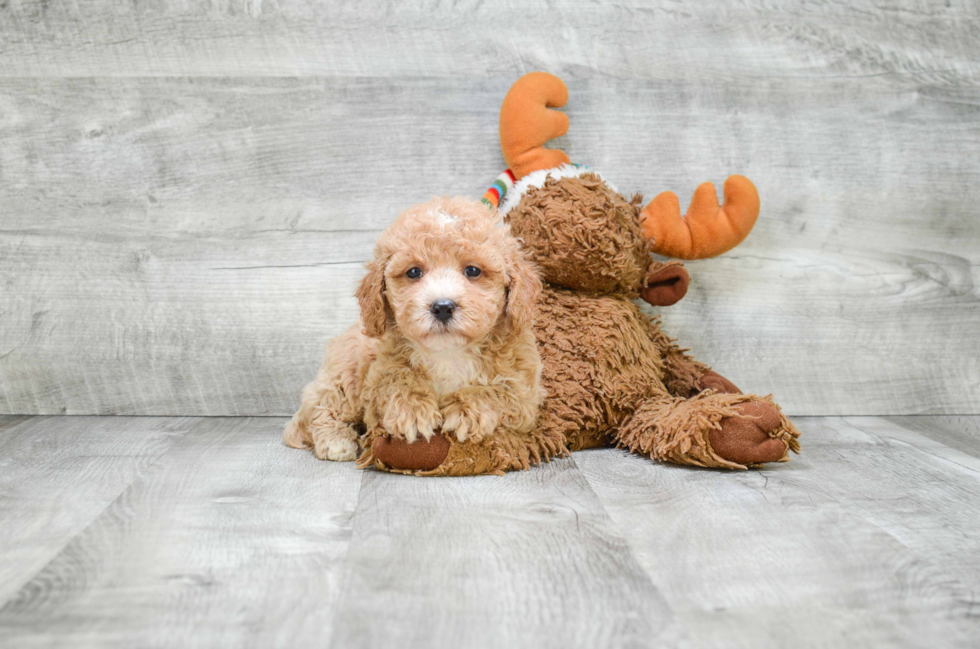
(522, 292)
(371, 298)
(665, 283)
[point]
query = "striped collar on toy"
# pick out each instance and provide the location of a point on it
(498, 190)
(506, 191)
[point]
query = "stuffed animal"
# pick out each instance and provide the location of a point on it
(611, 376)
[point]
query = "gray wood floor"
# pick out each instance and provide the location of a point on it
(188, 532)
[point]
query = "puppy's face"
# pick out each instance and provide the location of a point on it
(446, 274)
(447, 293)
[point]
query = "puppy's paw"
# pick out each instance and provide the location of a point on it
(337, 450)
(334, 440)
(468, 419)
(409, 416)
(296, 434)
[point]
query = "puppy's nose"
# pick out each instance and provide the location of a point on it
(443, 310)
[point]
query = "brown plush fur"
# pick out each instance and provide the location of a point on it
(402, 373)
(583, 235)
(611, 374)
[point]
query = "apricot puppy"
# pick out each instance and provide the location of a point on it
(444, 340)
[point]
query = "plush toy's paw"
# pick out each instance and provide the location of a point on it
(410, 416)
(442, 455)
(421, 455)
(752, 438)
(468, 420)
(665, 284)
(712, 380)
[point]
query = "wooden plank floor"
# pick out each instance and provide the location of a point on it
(188, 532)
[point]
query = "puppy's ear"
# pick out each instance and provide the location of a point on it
(522, 292)
(371, 298)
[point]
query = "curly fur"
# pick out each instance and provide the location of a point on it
(583, 235)
(611, 375)
(401, 372)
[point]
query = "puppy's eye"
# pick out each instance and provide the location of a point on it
(472, 271)
(414, 273)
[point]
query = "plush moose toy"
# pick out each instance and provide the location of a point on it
(611, 376)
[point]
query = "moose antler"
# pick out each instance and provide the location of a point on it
(708, 229)
(526, 123)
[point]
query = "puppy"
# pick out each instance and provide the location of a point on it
(444, 340)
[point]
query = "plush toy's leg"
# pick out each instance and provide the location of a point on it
(577, 423)
(712, 380)
(444, 455)
(684, 375)
(732, 431)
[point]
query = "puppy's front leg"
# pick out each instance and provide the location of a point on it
(319, 424)
(474, 412)
(406, 406)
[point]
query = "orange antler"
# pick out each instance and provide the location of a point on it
(708, 229)
(526, 123)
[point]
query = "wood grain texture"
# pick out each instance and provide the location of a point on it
(524, 560)
(870, 538)
(959, 433)
(188, 190)
(230, 540)
(640, 39)
(57, 475)
(9, 421)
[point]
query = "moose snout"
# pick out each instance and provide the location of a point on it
(443, 310)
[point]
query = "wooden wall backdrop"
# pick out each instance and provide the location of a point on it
(188, 189)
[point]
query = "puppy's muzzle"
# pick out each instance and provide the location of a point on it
(443, 310)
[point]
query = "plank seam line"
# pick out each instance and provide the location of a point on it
(16, 594)
(919, 448)
(345, 583)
